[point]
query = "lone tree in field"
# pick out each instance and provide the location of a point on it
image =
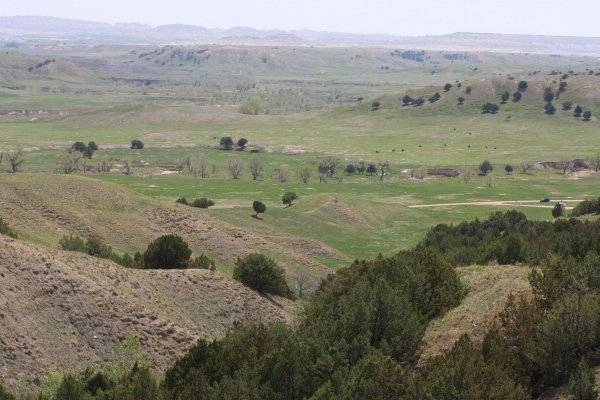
(447, 87)
(235, 167)
(68, 162)
(587, 115)
(578, 111)
(384, 168)
(167, 252)
(15, 159)
(256, 166)
(258, 207)
(406, 100)
(262, 274)
(305, 174)
(508, 169)
(137, 144)
(485, 167)
(226, 142)
(242, 143)
(460, 101)
(288, 198)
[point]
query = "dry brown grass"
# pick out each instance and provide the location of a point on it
(489, 287)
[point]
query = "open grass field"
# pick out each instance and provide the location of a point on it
(313, 103)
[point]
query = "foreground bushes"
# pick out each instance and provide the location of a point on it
(94, 246)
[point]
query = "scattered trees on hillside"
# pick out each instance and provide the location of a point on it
(137, 144)
(567, 105)
(94, 246)
(167, 252)
(508, 169)
(504, 97)
(485, 167)
(460, 101)
(406, 100)
(202, 202)
(489, 108)
(288, 198)
(578, 111)
(375, 106)
(263, 274)
(587, 115)
(371, 169)
(517, 97)
(258, 207)
(468, 90)
(447, 87)
(419, 101)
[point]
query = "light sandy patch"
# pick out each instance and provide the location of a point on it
(514, 203)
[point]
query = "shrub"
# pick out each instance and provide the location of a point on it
(567, 105)
(508, 169)
(202, 203)
(489, 108)
(242, 143)
(182, 200)
(97, 248)
(587, 115)
(72, 243)
(92, 145)
(262, 274)
(485, 167)
(558, 210)
(167, 252)
(78, 146)
(5, 394)
(258, 207)
(517, 97)
(447, 87)
(522, 86)
(375, 106)
(137, 144)
(7, 230)
(226, 142)
(202, 262)
(578, 111)
(289, 198)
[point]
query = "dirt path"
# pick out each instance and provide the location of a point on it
(514, 203)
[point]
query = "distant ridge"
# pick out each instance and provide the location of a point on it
(22, 28)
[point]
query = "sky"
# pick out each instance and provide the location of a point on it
(400, 17)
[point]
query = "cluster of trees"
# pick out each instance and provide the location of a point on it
(362, 330)
(87, 151)
(166, 252)
(202, 202)
(408, 100)
(94, 246)
(226, 142)
(586, 207)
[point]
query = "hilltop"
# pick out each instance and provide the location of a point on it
(50, 28)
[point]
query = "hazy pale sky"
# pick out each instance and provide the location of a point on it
(415, 17)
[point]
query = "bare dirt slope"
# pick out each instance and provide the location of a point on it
(63, 311)
(489, 288)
